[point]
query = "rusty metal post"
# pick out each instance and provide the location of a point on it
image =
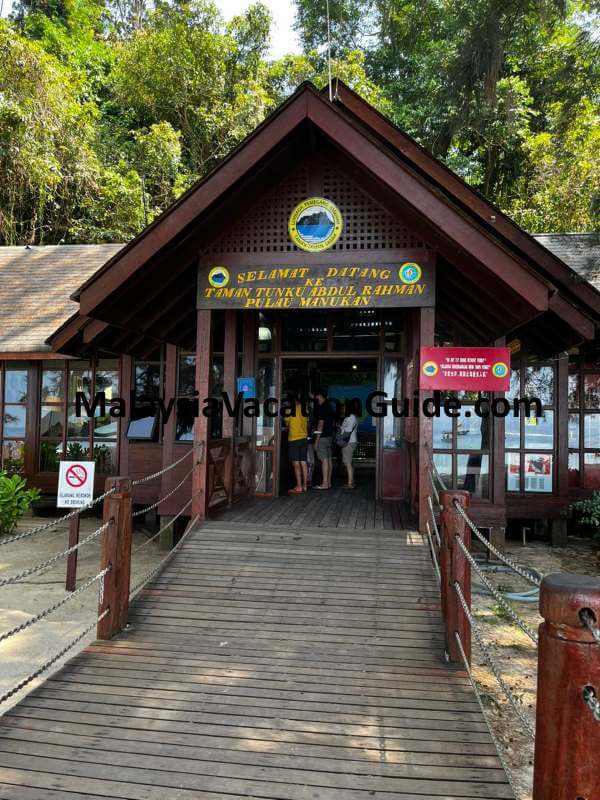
(71, 580)
(567, 742)
(116, 552)
(454, 567)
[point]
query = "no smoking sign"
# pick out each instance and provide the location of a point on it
(75, 484)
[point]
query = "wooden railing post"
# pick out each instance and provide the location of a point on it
(567, 742)
(454, 567)
(71, 580)
(116, 552)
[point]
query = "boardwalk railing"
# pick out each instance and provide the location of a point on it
(113, 581)
(566, 733)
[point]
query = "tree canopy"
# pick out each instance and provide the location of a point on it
(109, 109)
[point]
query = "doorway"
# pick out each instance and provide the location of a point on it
(344, 380)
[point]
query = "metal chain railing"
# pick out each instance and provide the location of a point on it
(589, 620)
(433, 521)
(20, 576)
(592, 702)
(166, 497)
(489, 659)
(436, 495)
(437, 473)
(167, 525)
(162, 471)
(506, 607)
(436, 565)
(55, 522)
(149, 575)
(521, 571)
(495, 740)
(51, 609)
(47, 664)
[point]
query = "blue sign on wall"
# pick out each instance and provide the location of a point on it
(247, 386)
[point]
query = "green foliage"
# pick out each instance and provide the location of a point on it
(15, 500)
(588, 512)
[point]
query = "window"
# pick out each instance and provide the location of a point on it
(148, 382)
(186, 386)
(462, 445)
(530, 440)
(14, 396)
(584, 422)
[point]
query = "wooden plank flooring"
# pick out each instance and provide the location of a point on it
(287, 663)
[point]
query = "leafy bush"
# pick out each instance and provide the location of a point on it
(588, 513)
(15, 499)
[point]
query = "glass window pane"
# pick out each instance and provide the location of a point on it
(574, 430)
(512, 463)
(105, 456)
(265, 426)
(591, 391)
(538, 472)
(148, 379)
(512, 432)
(591, 431)
(184, 427)
(473, 472)
(50, 453)
(515, 385)
(443, 465)
(80, 379)
(186, 375)
(264, 333)
(13, 457)
(51, 422)
(574, 391)
(391, 378)
(78, 426)
(573, 469)
(442, 432)
(305, 332)
(393, 329)
(472, 432)
(14, 421)
(78, 450)
(105, 427)
(264, 472)
(107, 381)
(539, 432)
(539, 382)
(15, 385)
(53, 385)
(591, 470)
(356, 330)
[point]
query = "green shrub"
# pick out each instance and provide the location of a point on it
(588, 513)
(15, 499)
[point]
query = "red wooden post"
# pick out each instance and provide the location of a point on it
(567, 742)
(454, 567)
(116, 552)
(71, 581)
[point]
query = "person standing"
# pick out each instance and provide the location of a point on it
(349, 436)
(323, 437)
(297, 426)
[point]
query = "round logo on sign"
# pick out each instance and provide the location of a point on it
(315, 224)
(430, 368)
(410, 272)
(218, 277)
(76, 476)
(500, 369)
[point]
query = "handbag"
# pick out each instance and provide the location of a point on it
(343, 439)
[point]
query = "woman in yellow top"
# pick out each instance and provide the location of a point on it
(297, 426)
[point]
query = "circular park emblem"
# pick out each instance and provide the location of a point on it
(218, 277)
(430, 368)
(500, 369)
(315, 224)
(410, 272)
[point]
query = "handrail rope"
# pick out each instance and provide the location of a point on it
(592, 702)
(497, 745)
(433, 555)
(433, 521)
(47, 664)
(55, 522)
(149, 575)
(521, 571)
(437, 473)
(589, 620)
(166, 497)
(162, 471)
(42, 565)
(433, 487)
(492, 663)
(496, 594)
(167, 525)
(43, 614)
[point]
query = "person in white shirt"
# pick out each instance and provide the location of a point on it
(349, 432)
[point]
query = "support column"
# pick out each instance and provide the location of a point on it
(425, 338)
(203, 366)
(229, 386)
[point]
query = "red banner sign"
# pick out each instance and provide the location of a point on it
(484, 369)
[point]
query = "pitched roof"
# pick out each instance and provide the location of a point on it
(35, 288)
(581, 251)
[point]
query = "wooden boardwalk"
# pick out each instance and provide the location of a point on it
(289, 664)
